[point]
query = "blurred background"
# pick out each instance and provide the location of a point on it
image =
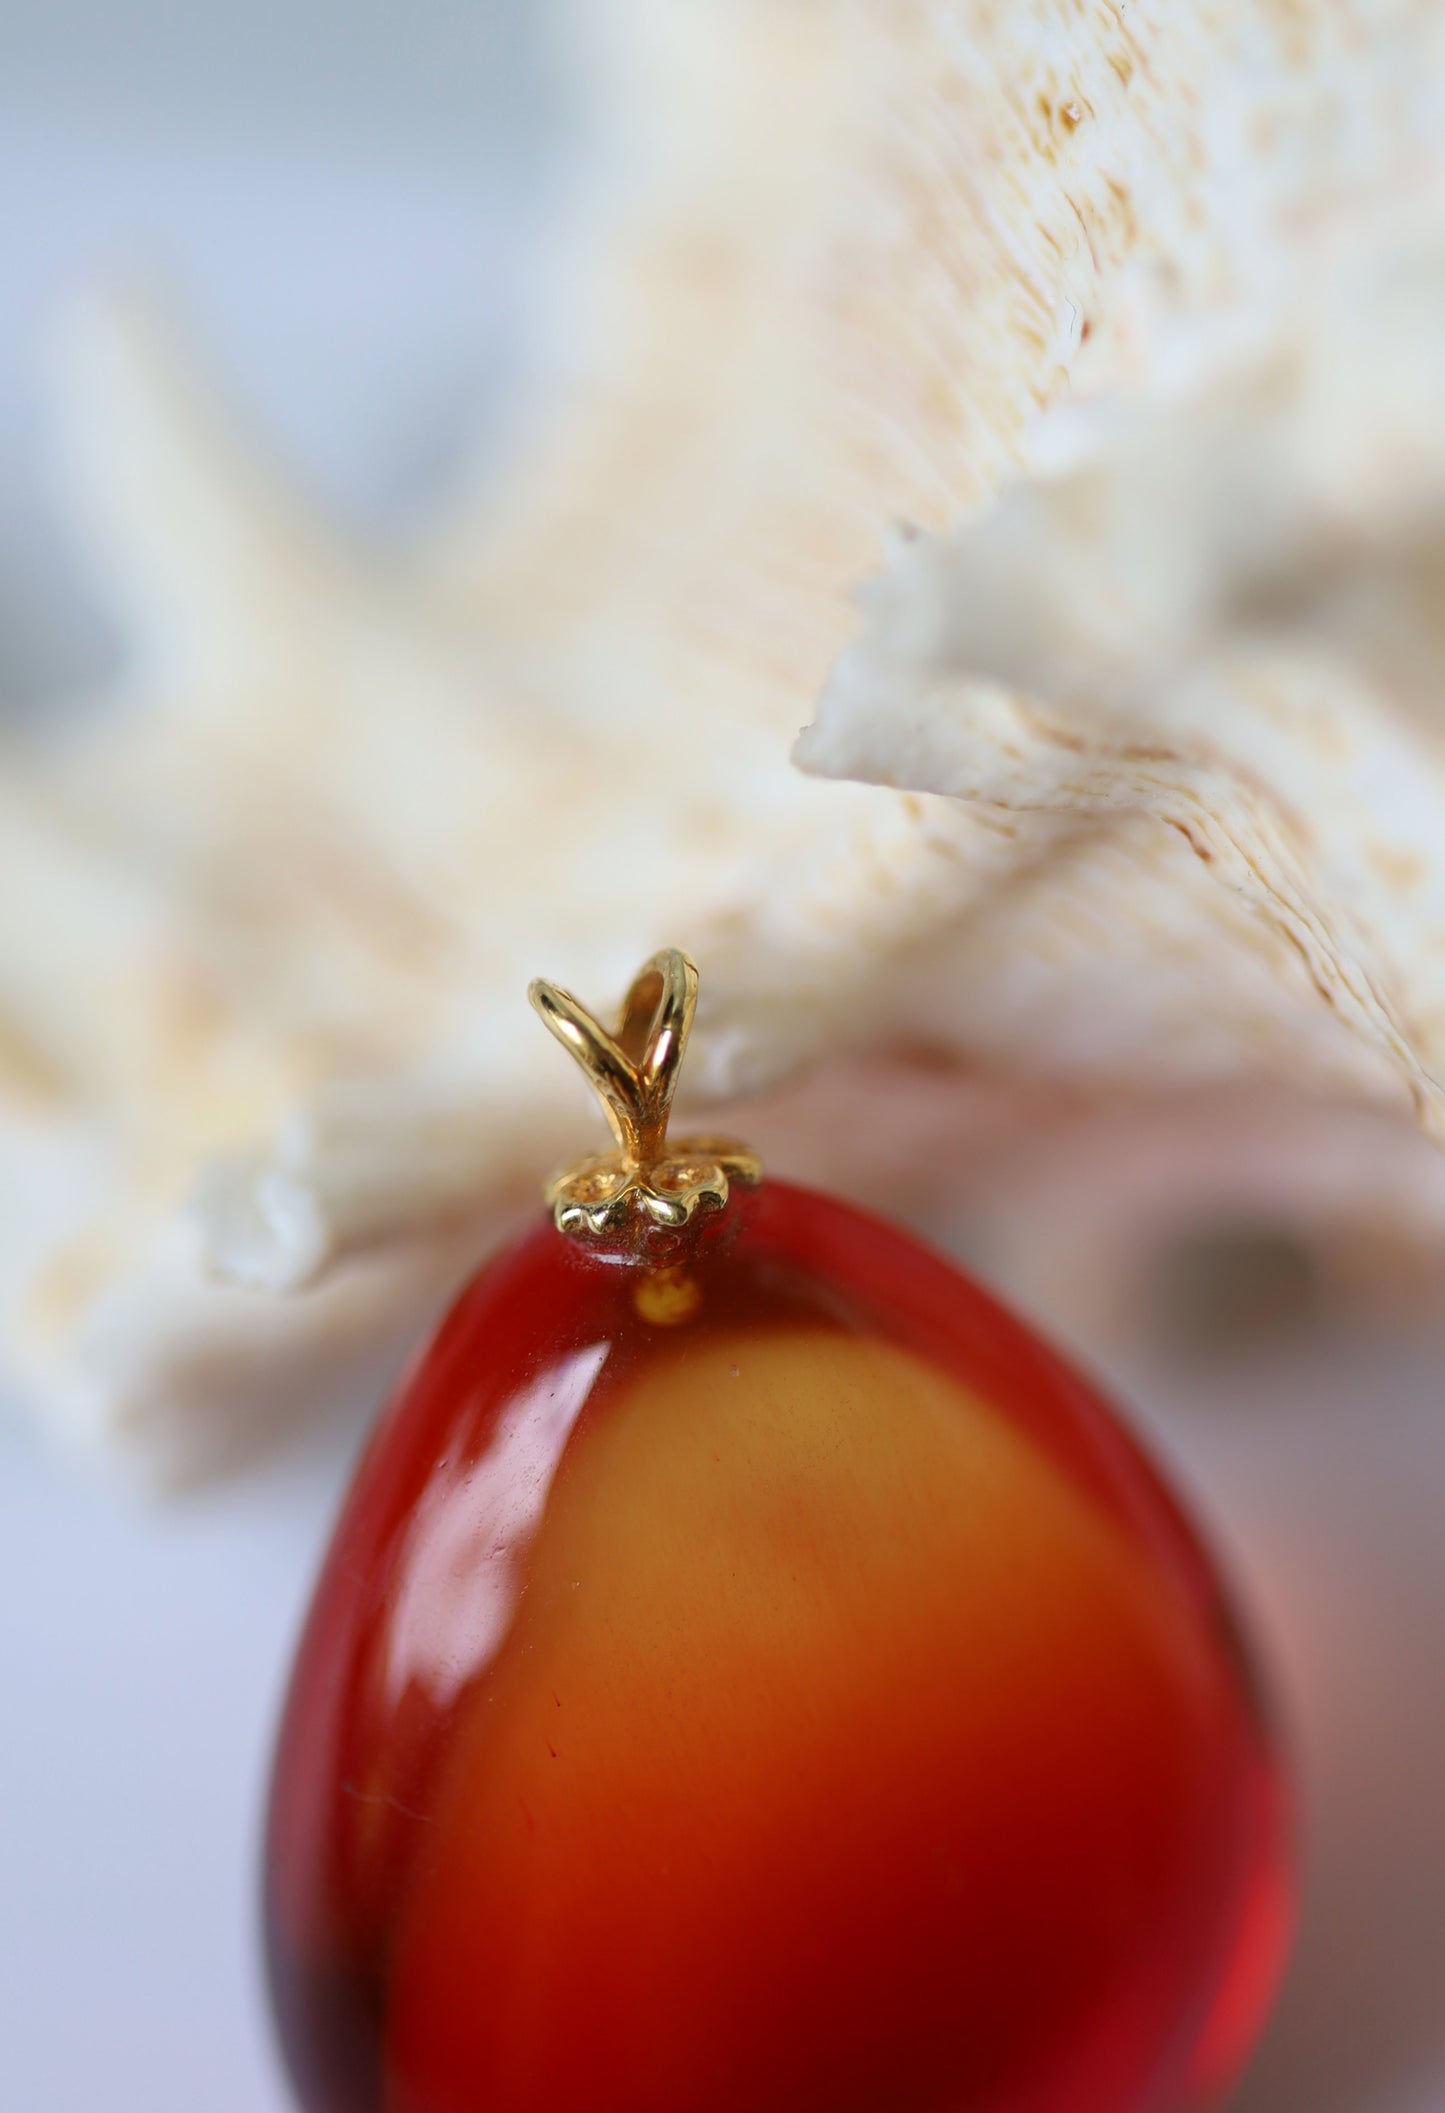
(341, 201)
(340, 209)
(346, 205)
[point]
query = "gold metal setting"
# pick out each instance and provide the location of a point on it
(648, 1188)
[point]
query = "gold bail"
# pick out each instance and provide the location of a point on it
(648, 1188)
(634, 1073)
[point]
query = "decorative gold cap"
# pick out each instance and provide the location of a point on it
(648, 1187)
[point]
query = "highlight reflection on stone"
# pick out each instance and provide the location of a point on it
(793, 1692)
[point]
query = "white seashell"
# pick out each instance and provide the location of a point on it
(1141, 321)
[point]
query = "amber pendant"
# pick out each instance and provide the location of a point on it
(752, 1675)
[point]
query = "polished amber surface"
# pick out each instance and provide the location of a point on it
(772, 1686)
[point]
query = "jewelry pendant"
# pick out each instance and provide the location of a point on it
(752, 1675)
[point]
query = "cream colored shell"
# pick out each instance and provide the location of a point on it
(1103, 342)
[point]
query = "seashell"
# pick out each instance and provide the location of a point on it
(1122, 798)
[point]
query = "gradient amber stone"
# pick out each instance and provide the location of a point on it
(775, 1687)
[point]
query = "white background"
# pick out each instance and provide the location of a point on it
(344, 196)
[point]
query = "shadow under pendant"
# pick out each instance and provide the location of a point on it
(751, 1674)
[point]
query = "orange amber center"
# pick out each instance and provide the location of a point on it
(781, 1689)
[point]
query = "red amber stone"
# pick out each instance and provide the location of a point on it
(774, 1686)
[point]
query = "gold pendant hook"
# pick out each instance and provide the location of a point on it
(647, 1183)
(634, 1073)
